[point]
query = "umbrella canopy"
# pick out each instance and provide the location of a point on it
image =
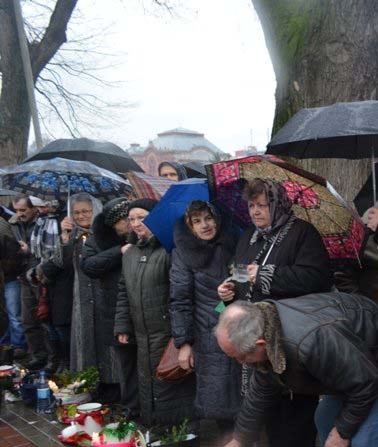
(172, 206)
(7, 192)
(314, 200)
(58, 178)
(195, 169)
(104, 154)
(365, 198)
(342, 130)
(146, 185)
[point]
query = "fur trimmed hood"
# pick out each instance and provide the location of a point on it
(105, 236)
(198, 253)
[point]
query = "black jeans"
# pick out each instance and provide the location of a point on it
(291, 422)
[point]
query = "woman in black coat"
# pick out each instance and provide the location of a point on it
(102, 260)
(286, 258)
(201, 259)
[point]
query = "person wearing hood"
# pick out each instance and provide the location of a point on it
(142, 318)
(172, 170)
(285, 258)
(87, 346)
(202, 258)
(102, 259)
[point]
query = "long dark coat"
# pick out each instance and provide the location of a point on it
(60, 288)
(297, 265)
(142, 313)
(198, 267)
(103, 263)
(88, 340)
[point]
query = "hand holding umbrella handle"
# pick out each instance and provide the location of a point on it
(66, 227)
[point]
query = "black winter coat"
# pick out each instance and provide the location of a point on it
(198, 267)
(330, 341)
(297, 265)
(60, 288)
(102, 260)
(142, 313)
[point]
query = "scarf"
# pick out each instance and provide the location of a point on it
(279, 206)
(45, 239)
(272, 334)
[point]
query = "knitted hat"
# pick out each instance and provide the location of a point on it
(146, 204)
(115, 210)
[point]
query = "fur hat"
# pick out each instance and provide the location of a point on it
(146, 204)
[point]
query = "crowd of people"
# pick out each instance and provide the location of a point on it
(88, 284)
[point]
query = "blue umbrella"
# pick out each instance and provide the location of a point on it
(172, 206)
(57, 178)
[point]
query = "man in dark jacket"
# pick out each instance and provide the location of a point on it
(11, 258)
(317, 344)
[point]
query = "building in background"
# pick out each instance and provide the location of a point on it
(180, 145)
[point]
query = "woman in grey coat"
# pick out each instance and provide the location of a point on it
(142, 318)
(88, 347)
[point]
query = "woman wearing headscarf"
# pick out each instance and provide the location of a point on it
(87, 347)
(201, 259)
(142, 317)
(172, 171)
(102, 259)
(286, 258)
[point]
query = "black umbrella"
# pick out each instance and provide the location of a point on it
(104, 154)
(343, 130)
(365, 198)
(195, 169)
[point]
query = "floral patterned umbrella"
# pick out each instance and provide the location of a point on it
(314, 200)
(58, 178)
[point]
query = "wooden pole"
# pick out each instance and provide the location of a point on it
(27, 72)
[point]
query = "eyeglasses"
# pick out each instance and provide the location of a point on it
(83, 212)
(136, 219)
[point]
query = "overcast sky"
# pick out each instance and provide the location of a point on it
(206, 69)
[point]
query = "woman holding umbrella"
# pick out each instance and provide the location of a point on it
(285, 258)
(142, 318)
(201, 259)
(87, 346)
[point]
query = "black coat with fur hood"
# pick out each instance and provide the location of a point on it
(198, 267)
(102, 260)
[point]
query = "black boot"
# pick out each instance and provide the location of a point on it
(53, 356)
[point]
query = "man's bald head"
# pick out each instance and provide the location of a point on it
(240, 331)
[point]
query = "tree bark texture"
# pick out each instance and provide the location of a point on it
(323, 51)
(14, 104)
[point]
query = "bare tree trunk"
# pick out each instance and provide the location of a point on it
(323, 51)
(14, 108)
(14, 105)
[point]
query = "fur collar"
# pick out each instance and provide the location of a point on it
(197, 253)
(104, 236)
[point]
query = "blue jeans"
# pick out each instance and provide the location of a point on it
(15, 333)
(329, 408)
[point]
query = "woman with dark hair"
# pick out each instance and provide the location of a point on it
(286, 258)
(172, 171)
(142, 317)
(201, 259)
